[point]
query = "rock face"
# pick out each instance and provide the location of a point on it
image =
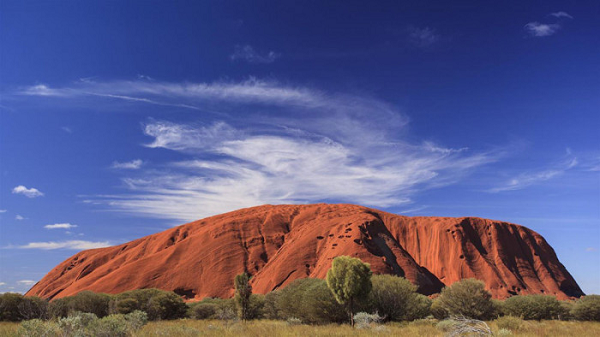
(279, 244)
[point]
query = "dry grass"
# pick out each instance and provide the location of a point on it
(423, 328)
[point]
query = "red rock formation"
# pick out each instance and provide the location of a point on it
(278, 244)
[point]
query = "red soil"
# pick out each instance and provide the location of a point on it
(279, 244)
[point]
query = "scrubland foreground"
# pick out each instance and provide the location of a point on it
(426, 327)
(351, 301)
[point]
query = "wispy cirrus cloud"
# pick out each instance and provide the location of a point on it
(561, 14)
(19, 217)
(537, 29)
(2, 211)
(250, 55)
(527, 179)
(27, 282)
(70, 245)
(135, 164)
(246, 168)
(310, 145)
(28, 192)
(60, 226)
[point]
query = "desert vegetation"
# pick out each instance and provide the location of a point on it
(350, 302)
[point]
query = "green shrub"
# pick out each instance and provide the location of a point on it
(37, 328)
(256, 307)
(76, 324)
(467, 298)
(136, 320)
(587, 308)
(421, 308)
(509, 322)
(396, 298)
(202, 310)
(270, 308)
(114, 325)
(85, 301)
(158, 304)
(9, 307)
(446, 325)
(124, 306)
(437, 310)
(84, 325)
(311, 301)
(363, 320)
(536, 307)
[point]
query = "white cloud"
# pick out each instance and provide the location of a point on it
(19, 217)
(27, 282)
(561, 15)
(248, 169)
(537, 29)
(66, 129)
(423, 37)
(527, 179)
(28, 192)
(131, 165)
(60, 226)
(71, 244)
(2, 211)
(591, 249)
(247, 53)
(311, 145)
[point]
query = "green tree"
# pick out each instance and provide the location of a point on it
(536, 307)
(396, 298)
(467, 298)
(349, 279)
(243, 291)
(311, 301)
(158, 304)
(587, 308)
(9, 307)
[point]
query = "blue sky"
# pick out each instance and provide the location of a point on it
(119, 119)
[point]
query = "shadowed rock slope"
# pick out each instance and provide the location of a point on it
(279, 244)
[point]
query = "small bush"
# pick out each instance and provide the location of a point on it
(536, 307)
(202, 310)
(85, 324)
(293, 321)
(504, 332)
(421, 308)
(76, 324)
(37, 328)
(468, 327)
(256, 307)
(437, 310)
(509, 322)
(446, 325)
(396, 298)
(587, 308)
(114, 325)
(311, 301)
(85, 301)
(9, 307)
(467, 298)
(136, 320)
(363, 320)
(270, 307)
(158, 304)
